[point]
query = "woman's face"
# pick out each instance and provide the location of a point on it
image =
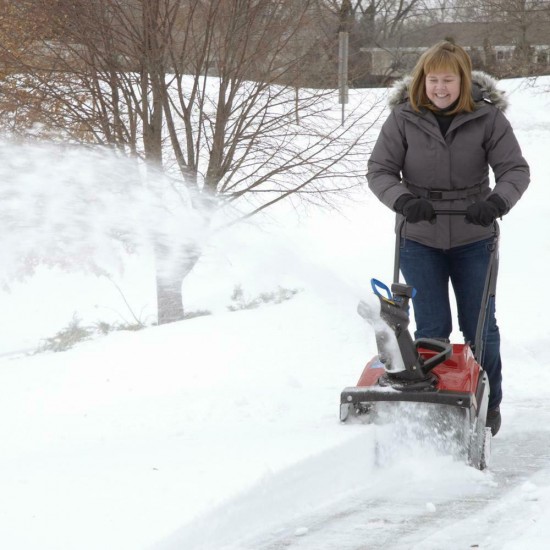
(442, 88)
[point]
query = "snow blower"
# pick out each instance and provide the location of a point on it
(447, 378)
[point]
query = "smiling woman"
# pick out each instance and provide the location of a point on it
(445, 130)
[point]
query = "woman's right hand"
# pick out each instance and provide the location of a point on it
(414, 209)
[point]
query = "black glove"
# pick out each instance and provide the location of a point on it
(415, 210)
(484, 213)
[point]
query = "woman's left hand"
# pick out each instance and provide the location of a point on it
(484, 213)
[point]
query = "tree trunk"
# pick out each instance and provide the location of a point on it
(169, 300)
(169, 278)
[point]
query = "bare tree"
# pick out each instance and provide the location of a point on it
(201, 90)
(379, 20)
(513, 21)
(373, 24)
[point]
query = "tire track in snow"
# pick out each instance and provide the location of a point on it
(454, 524)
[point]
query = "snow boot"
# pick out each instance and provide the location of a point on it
(493, 420)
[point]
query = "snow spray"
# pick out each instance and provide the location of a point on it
(83, 208)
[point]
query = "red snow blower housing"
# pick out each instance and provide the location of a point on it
(445, 376)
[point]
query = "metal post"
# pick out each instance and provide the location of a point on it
(343, 70)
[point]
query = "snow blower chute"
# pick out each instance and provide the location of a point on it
(448, 377)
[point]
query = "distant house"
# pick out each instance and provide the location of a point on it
(503, 49)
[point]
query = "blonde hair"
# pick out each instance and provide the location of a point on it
(443, 56)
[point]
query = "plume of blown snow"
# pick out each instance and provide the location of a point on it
(84, 208)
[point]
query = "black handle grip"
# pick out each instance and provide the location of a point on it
(450, 212)
(444, 351)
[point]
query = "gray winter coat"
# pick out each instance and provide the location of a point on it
(412, 156)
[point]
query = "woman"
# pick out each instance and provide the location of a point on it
(445, 129)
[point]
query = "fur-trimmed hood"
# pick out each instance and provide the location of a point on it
(484, 89)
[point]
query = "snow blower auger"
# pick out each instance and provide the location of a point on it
(447, 377)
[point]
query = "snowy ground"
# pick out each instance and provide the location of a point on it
(222, 432)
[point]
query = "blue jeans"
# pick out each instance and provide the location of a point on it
(429, 270)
